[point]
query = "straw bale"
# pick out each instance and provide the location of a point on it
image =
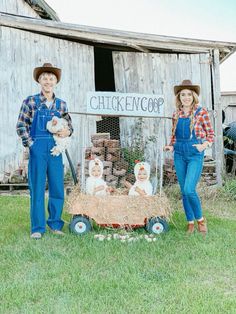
(120, 210)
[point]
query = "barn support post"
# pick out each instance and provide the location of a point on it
(219, 153)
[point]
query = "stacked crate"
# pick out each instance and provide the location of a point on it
(18, 175)
(208, 172)
(109, 152)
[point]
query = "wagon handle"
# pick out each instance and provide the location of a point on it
(71, 167)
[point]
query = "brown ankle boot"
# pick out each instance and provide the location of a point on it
(190, 228)
(202, 226)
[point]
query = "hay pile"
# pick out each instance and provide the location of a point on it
(121, 210)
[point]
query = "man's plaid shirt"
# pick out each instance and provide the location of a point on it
(202, 125)
(27, 111)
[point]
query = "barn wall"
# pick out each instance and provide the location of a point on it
(157, 74)
(19, 7)
(22, 51)
(229, 106)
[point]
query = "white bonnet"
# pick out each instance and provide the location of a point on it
(142, 165)
(95, 162)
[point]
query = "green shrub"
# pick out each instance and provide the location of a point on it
(229, 189)
(136, 152)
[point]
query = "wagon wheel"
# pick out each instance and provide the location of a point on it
(157, 225)
(80, 225)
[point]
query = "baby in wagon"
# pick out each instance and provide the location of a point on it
(95, 185)
(142, 185)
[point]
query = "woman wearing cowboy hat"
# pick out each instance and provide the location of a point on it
(35, 112)
(192, 133)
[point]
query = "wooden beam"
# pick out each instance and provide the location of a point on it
(219, 152)
(226, 54)
(43, 9)
(96, 35)
(138, 48)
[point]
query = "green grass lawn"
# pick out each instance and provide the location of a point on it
(175, 274)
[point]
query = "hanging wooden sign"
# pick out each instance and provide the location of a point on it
(125, 104)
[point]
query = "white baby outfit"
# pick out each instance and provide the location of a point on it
(93, 182)
(146, 185)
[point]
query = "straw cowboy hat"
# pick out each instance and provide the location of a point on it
(187, 84)
(47, 67)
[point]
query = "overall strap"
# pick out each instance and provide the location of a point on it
(195, 114)
(58, 104)
(37, 100)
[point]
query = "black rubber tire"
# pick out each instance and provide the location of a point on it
(157, 225)
(80, 225)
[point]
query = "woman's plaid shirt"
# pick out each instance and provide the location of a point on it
(202, 125)
(26, 115)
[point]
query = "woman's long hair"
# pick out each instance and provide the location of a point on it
(179, 106)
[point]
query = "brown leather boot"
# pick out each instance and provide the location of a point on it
(190, 228)
(202, 226)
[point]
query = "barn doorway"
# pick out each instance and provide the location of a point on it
(104, 81)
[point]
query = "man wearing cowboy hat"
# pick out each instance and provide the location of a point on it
(34, 114)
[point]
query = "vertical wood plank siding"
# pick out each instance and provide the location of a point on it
(157, 74)
(21, 51)
(229, 106)
(19, 7)
(219, 152)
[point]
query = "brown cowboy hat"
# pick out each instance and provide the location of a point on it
(187, 84)
(47, 67)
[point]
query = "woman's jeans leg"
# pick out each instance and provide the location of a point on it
(188, 170)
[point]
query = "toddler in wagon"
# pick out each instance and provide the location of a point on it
(95, 185)
(142, 185)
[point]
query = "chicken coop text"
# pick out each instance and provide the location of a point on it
(112, 103)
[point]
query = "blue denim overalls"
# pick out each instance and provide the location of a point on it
(188, 165)
(41, 165)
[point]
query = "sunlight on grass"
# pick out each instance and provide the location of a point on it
(175, 274)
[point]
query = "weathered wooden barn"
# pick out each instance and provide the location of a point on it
(97, 59)
(228, 100)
